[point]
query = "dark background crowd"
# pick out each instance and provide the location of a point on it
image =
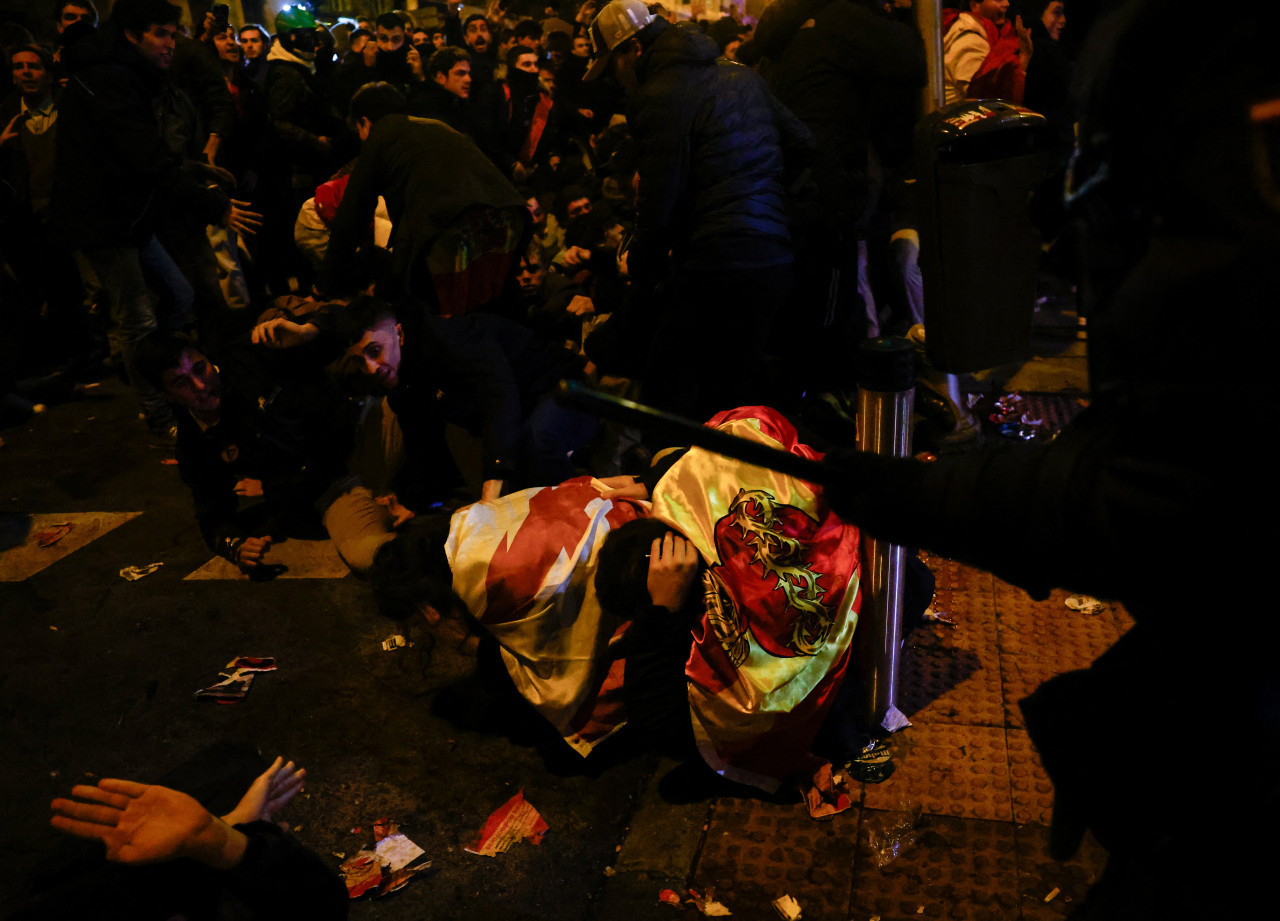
(186, 186)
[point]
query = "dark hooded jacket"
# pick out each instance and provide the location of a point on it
(713, 151)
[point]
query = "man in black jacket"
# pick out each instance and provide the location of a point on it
(457, 221)
(714, 147)
(116, 177)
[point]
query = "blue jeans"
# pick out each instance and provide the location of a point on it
(146, 291)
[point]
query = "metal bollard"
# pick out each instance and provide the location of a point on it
(886, 397)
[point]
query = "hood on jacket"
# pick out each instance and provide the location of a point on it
(679, 45)
(279, 53)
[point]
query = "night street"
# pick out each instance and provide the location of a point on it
(106, 681)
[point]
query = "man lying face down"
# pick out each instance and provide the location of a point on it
(721, 623)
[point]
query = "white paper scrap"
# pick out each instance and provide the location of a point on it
(398, 851)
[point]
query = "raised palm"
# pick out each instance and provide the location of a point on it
(138, 823)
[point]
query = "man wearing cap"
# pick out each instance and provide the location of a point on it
(711, 224)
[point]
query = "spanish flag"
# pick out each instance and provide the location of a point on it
(782, 600)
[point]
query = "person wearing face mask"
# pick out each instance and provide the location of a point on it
(532, 125)
(391, 64)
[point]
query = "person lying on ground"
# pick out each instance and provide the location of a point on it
(259, 445)
(588, 592)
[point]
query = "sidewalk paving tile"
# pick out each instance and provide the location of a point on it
(957, 869)
(1037, 627)
(1029, 784)
(756, 851)
(952, 674)
(960, 771)
(1039, 874)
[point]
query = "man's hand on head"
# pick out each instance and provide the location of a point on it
(673, 569)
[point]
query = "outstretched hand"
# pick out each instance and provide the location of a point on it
(144, 823)
(268, 793)
(673, 568)
(240, 219)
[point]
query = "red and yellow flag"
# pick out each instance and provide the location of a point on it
(782, 600)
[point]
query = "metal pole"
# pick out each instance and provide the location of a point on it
(929, 21)
(886, 398)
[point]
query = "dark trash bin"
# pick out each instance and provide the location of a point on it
(978, 163)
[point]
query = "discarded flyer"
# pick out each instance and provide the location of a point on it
(230, 690)
(1085, 604)
(515, 821)
(394, 642)
(706, 904)
(362, 873)
(398, 851)
(788, 909)
(237, 679)
(829, 794)
(134, 573)
(49, 536)
(385, 869)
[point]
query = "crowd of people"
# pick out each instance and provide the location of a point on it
(159, 180)
(345, 267)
